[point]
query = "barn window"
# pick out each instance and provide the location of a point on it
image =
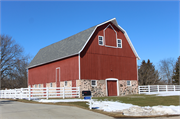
(35, 86)
(51, 85)
(119, 43)
(93, 83)
(65, 83)
(39, 85)
(128, 83)
(100, 40)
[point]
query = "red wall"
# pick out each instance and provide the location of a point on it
(100, 62)
(69, 70)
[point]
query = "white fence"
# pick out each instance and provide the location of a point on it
(32, 93)
(158, 88)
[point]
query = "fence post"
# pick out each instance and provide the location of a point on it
(139, 89)
(63, 92)
(29, 92)
(47, 93)
(21, 93)
(5, 93)
(166, 88)
(15, 93)
(149, 88)
(174, 88)
(158, 88)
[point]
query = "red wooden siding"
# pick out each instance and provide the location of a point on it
(110, 36)
(112, 88)
(69, 70)
(100, 62)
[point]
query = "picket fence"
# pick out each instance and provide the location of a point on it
(158, 88)
(35, 93)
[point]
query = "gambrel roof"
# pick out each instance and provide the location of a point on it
(71, 46)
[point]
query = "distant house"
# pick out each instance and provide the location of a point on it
(101, 59)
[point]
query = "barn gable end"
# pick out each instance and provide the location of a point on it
(103, 54)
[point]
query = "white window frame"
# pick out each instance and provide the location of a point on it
(51, 85)
(119, 43)
(65, 83)
(102, 40)
(127, 83)
(95, 83)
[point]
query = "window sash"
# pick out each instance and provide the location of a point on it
(100, 39)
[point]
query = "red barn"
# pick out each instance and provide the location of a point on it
(101, 59)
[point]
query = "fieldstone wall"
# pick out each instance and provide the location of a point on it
(100, 89)
(125, 90)
(96, 91)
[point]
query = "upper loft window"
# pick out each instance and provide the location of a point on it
(119, 43)
(100, 38)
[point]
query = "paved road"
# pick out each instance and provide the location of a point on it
(19, 110)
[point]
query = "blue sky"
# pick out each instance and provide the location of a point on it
(153, 26)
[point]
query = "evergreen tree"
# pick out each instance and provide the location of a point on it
(147, 75)
(175, 76)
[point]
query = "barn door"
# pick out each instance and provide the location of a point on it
(112, 87)
(58, 76)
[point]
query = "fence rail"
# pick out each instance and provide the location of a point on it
(31, 93)
(158, 88)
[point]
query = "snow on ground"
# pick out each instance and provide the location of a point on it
(62, 100)
(134, 110)
(128, 109)
(169, 93)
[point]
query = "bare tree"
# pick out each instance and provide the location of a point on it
(147, 74)
(166, 67)
(12, 60)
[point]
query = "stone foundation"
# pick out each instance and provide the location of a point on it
(100, 89)
(126, 90)
(96, 91)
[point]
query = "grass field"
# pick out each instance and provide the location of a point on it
(144, 100)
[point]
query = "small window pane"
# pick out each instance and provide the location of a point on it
(93, 83)
(65, 83)
(128, 83)
(119, 41)
(119, 45)
(50, 84)
(100, 38)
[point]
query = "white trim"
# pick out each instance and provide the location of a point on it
(110, 46)
(131, 45)
(112, 79)
(79, 58)
(52, 60)
(120, 28)
(59, 76)
(102, 40)
(95, 83)
(137, 68)
(119, 43)
(28, 77)
(111, 20)
(105, 36)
